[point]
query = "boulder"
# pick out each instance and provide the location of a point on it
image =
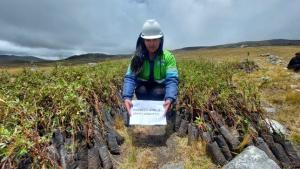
(271, 110)
(179, 165)
(276, 126)
(252, 158)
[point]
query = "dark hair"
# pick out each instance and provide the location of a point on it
(297, 54)
(141, 54)
(138, 58)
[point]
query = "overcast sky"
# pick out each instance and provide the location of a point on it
(60, 28)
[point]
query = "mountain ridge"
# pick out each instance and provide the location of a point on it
(272, 42)
(8, 60)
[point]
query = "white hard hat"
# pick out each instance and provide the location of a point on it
(151, 30)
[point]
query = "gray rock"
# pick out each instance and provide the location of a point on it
(178, 165)
(252, 158)
(273, 59)
(52, 153)
(295, 86)
(276, 126)
(265, 78)
(92, 64)
(270, 109)
(296, 76)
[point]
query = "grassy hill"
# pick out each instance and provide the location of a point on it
(17, 60)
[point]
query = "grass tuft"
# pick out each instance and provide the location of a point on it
(293, 97)
(194, 156)
(295, 138)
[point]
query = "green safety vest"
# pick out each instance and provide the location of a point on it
(164, 66)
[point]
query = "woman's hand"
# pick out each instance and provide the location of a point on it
(167, 105)
(128, 106)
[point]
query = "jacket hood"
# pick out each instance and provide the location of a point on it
(140, 42)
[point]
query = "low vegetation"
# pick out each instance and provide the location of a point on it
(34, 103)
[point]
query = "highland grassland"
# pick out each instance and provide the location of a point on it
(33, 103)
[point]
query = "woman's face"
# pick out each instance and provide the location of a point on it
(152, 45)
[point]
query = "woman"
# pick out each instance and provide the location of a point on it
(152, 73)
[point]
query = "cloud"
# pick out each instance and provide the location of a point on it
(45, 53)
(63, 27)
